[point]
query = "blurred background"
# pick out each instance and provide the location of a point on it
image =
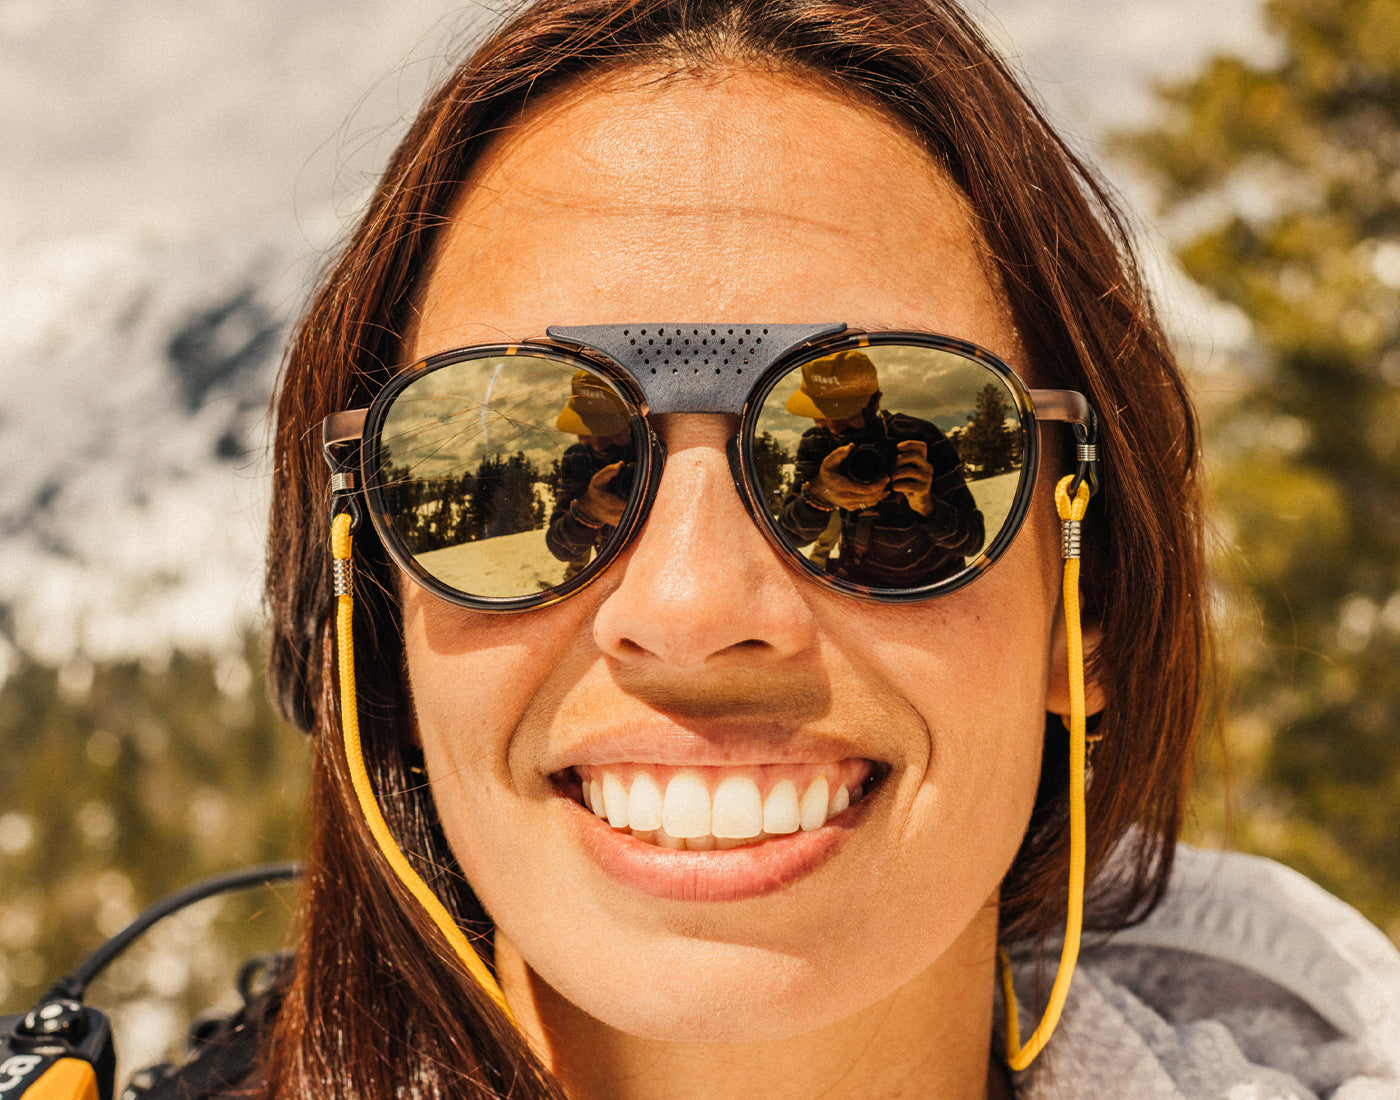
(173, 178)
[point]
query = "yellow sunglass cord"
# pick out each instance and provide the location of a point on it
(359, 776)
(1018, 1057)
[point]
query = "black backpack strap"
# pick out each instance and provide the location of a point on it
(225, 1050)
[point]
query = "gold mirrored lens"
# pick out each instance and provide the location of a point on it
(890, 466)
(506, 476)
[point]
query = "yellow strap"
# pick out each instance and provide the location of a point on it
(350, 725)
(1020, 1057)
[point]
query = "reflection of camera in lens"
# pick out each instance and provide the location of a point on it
(868, 463)
(621, 484)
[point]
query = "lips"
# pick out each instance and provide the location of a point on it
(752, 801)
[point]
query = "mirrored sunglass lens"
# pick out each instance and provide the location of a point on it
(890, 466)
(506, 476)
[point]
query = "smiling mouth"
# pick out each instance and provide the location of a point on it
(701, 809)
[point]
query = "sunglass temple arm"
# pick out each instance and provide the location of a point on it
(1073, 408)
(341, 434)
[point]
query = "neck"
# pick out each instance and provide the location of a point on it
(930, 1038)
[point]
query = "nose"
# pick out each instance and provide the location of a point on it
(700, 585)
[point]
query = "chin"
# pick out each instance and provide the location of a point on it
(746, 1009)
(711, 991)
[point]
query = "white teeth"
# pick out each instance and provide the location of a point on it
(615, 800)
(812, 813)
(687, 816)
(644, 804)
(780, 810)
(686, 812)
(738, 809)
(666, 840)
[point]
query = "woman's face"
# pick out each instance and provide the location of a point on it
(743, 197)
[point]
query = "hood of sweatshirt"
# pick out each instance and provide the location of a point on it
(1248, 982)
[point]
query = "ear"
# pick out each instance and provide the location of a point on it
(1057, 693)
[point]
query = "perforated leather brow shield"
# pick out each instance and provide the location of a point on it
(694, 368)
(712, 368)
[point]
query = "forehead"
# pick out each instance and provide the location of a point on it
(738, 195)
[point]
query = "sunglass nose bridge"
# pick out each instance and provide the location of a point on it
(700, 368)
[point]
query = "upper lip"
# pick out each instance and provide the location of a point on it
(747, 743)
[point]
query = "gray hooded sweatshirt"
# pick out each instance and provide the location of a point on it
(1248, 982)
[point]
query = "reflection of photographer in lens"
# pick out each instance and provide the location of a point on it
(906, 515)
(595, 474)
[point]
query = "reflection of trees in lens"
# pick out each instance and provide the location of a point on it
(774, 465)
(503, 497)
(990, 444)
(497, 498)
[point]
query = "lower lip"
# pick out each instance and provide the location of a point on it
(731, 874)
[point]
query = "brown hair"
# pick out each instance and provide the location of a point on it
(378, 1008)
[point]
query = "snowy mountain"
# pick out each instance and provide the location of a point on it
(133, 435)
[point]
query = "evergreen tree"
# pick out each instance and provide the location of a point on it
(774, 465)
(1282, 181)
(990, 443)
(415, 505)
(502, 499)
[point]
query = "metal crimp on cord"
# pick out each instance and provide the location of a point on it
(1069, 538)
(342, 576)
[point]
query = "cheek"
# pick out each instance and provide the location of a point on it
(975, 668)
(474, 681)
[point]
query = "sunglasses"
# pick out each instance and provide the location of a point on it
(892, 466)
